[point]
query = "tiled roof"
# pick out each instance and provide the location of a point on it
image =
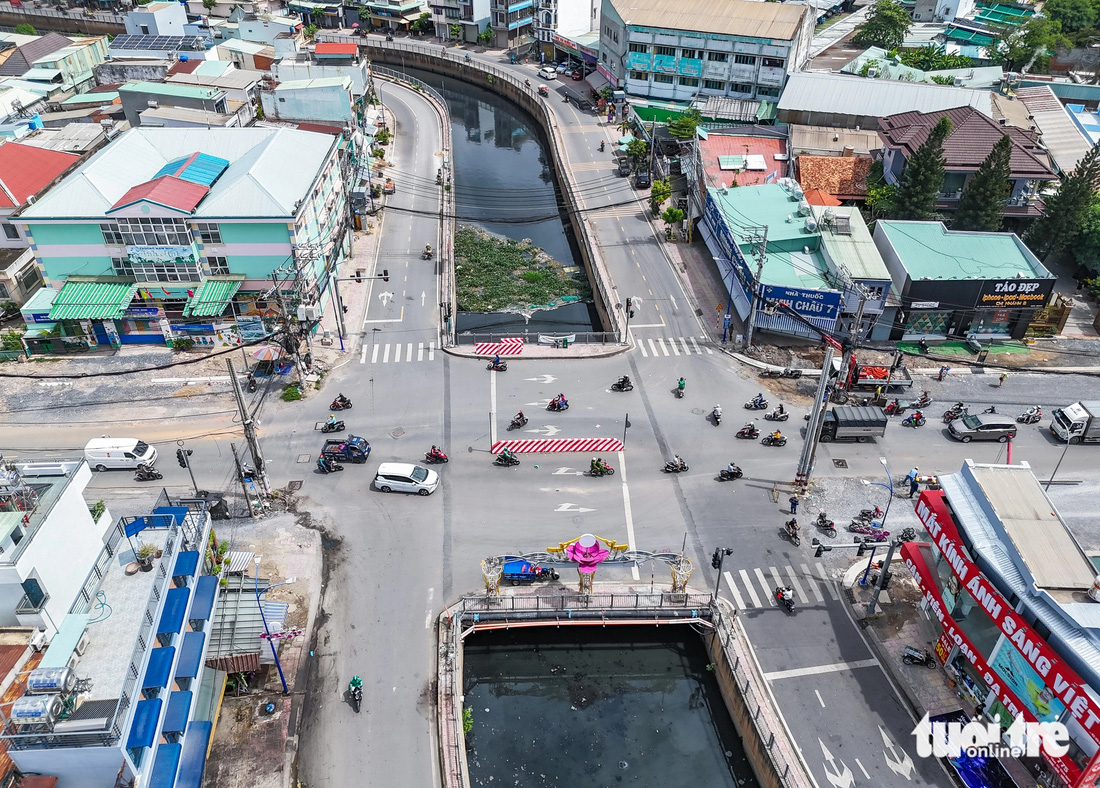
(842, 176)
(972, 137)
(26, 170)
(185, 66)
(717, 146)
(335, 48)
(167, 190)
(22, 59)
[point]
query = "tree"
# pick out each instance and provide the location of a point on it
(683, 127)
(421, 24)
(637, 149)
(886, 26)
(1086, 247)
(660, 191)
(922, 179)
(1073, 15)
(26, 30)
(983, 200)
(485, 36)
(1067, 210)
(1026, 47)
(931, 58)
(671, 217)
(455, 31)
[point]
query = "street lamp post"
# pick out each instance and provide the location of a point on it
(889, 553)
(263, 618)
(1053, 473)
(886, 513)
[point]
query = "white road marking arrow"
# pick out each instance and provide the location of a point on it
(567, 472)
(384, 297)
(543, 379)
(423, 295)
(572, 507)
(542, 403)
(549, 431)
(901, 765)
(841, 776)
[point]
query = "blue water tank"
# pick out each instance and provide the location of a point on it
(48, 681)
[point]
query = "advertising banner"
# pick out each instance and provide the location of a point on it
(808, 303)
(1014, 293)
(1027, 684)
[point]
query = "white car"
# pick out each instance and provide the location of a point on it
(563, 67)
(547, 73)
(406, 477)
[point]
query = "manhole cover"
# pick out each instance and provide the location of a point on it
(305, 457)
(840, 463)
(397, 433)
(294, 486)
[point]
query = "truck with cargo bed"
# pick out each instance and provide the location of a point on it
(850, 422)
(349, 449)
(1077, 423)
(870, 376)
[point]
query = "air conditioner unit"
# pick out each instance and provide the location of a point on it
(309, 312)
(73, 661)
(82, 644)
(38, 640)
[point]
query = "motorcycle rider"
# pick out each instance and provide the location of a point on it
(792, 526)
(914, 417)
(759, 398)
(428, 250)
(496, 360)
(601, 146)
(785, 595)
(777, 436)
(519, 418)
(681, 384)
(332, 419)
(731, 469)
(779, 411)
(594, 466)
(678, 461)
(435, 452)
(624, 381)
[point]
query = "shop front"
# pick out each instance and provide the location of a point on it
(582, 48)
(988, 309)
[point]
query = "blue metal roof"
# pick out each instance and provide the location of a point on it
(190, 655)
(206, 589)
(196, 167)
(179, 711)
(175, 605)
(193, 759)
(186, 563)
(160, 667)
(165, 766)
(144, 727)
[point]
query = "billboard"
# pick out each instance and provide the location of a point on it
(1014, 293)
(1026, 683)
(823, 304)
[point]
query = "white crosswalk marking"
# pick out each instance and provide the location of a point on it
(652, 347)
(386, 355)
(398, 350)
(672, 346)
(811, 583)
(733, 590)
(803, 580)
(431, 351)
(797, 586)
(749, 588)
(679, 346)
(420, 351)
(695, 345)
(684, 342)
(825, 580)
(661, 342)
(409, 353)
(764, 584)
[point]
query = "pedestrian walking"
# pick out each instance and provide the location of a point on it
(794, 503)
(914, 485)
(943, 372)
(1001, 379)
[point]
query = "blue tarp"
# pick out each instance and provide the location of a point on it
(179, 710)
(164, 768)
(175, 605)
(193, 759)
(186, 563)
(190, 655)
(144, 727)
(160, 666)
(174, 515)
(205, 591)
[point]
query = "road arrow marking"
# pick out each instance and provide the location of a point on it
(423, 295)
(567, 472)
(542, 403)
(901, 765)
(841, 777)
(549, 430)
(547, 379)
(384, 297)
(572, 507)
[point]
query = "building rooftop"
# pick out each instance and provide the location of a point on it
(132, 43)
(32, 489)
(72, 137)
(26, 171)
(171, 89)
(928, 250)
(892, 69)
(237, 79)
(349, 49)
(731, 18)
(844, 94)
(744, 160)
(313, 84)
(157, 117)
(1059, 132)
(257, 182)
(247, 47)
(823, 140)
(844, 177)
(849, 243)
(10, 257)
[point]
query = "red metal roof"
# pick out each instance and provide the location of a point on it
(166, 190)
(26, 171)
(819, 197)
(335, 48)
(842, 176)
(185, 66)
(718, 144)
(323, 128)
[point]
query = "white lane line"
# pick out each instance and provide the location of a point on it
(825, 579)
(641, 347)
(661, 342)
(396, 352)
(811, 583)
(648, 325)
(431, 351)
(428, 617)
(749, 587)
(860, 765)
(797, 586)
(374, 355)
(819, 700)
(386, 354)
(733, 590)
(775, 576)
(709, 351)
(672, 346)
(409, 353)
(626, 509)
(653, 347)
(764, 584)
(834, 668)
(363, 355)
(492, 407)
(684, 342)
(695, 345)
(419, 351)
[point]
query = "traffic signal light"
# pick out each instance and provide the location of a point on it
(385, 274)
(629, 307)
(359, 275)
(182, 455)
(821, 550)
(862, 548)
(716, 559)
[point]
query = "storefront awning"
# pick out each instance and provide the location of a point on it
(85, 300)
(213, 296)
(596, 80)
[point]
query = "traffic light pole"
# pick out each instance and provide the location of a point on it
(183, 458)
(249, 430)
(716, 561)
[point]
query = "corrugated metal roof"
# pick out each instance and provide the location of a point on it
(198, 168)
(812, 139)
(843, 94)
(1061, 136)
(170, 89)
(731, 18)
(90, 300)
(237, 79)
(213, 296)
(166, 190)
(930, 250)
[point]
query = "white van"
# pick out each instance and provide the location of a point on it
(104, 453)
(406, 477)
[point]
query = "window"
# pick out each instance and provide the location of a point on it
(5, 294)
(604, 55)
(122, 266)
(666, 51)
(740, 87)
(768, 92)
(665, 79)
(717, 57)
(643, 76)
(219, 266)
(714, 84)
(30, 278)
(689, 82)
(641, 48)
(771, 62)
(208, 233)
(158, 271)
(744, 60)
(111, 235)
(153, 232)
(11, 231)
(145, 30)
(692, 53)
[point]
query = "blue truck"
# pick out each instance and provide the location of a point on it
(349, 449)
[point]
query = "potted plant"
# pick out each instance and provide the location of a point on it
(145, 555)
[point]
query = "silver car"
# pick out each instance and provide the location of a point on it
(983, 427)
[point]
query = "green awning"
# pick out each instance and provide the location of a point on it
(84, 300)
(213, 296)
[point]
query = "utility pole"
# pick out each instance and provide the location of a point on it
(856, 336)
(805, 461)
(882, 578)
(759, 241)
(290, 336)
(249, 430)
(240, 477)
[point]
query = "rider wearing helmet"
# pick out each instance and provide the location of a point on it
(777, 435)
(681, 384)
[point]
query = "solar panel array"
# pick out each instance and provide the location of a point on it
(161, 43)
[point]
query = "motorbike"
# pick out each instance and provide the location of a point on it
(868, 530)
(1032, 415)
(602, 470)
(769, 440)
(756, 404)
(919, 656)
(867, 515)
(247, 472)
(340, 403)
(622, 384)
(749, 431)
(147, 473)
(501, 367)
(716, 414)
(558, 405)
(893, 408)
(674, 467)
(518, 423)
(434, 457)
(907, 535)
(602, 145)
(923, 401)
(913, 420)
(786, 372)
(506, 459)
(389, 37)
(679, 393)
(792, 531)
(775, 415)
(355, 690)
(251, 384)
(332, 426)
(426, 255)
(950, 415)
(824, 523)
(727, 475)
(990, 409)
(328, 466)
(785, 597)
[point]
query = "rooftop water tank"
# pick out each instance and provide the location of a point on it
(47, 681)
(35, 709)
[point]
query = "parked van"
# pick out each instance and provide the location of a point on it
(105, 453)
(983, 427)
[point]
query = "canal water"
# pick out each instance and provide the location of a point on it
(504, 183)
(589, 706)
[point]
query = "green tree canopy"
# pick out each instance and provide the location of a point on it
(660, 191)
(922, 179)
(885, 26)
(454, 31)
(983, 200)
(1027, 47)
(1067, 210)
(1073, 15)
(683, 127)
(26, 30)
(1086, 247)
(932, 58)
